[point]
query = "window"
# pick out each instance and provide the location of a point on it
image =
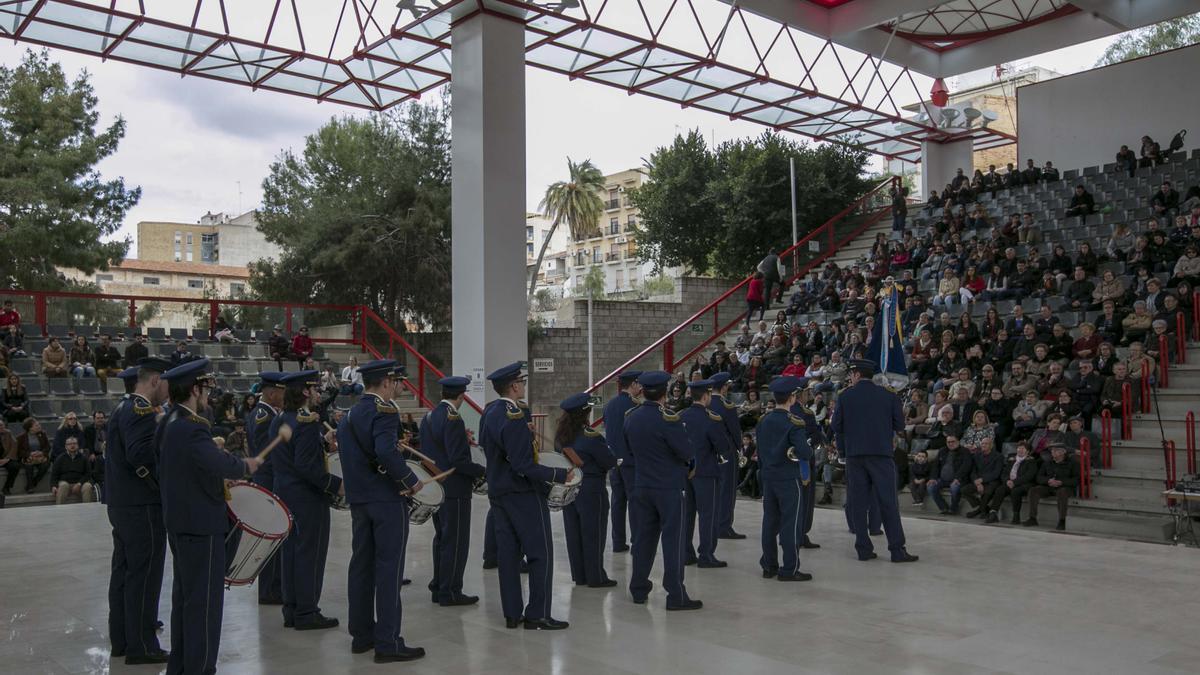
(189, 238)
(630, 222)
(620, 280)
(613, 201)
(150, 281)
(529, 249)
(195, 283)
(189, 256)
(103, 277)
(528, 233)
(178, 238)
(595, 254)
(614, 226)
(178, 256)
(237, 290)
(208, 248)
(633, 278)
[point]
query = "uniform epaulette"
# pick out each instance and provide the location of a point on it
(728, 405)
(630, 410)
(261, 417)
(303, 416)
(806, 410)
(140, 408)
(712, 415)
(451, 413)
(200, 420)
(513, 411)
(387, 408)
(795, 420)
(669, 416)
(590, 432)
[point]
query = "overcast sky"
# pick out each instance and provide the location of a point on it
(196, 145)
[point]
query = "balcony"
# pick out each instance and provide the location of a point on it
(612, 204)
(612, 257)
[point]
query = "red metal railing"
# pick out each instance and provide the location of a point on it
(426, 374)
(1085, 469)
(1106, 439)
(1180, 338)
(1164, 363)
(1196, 315)
(1145, 383)
(1169, 463)
(1127, 411)
(828, 234)
(1190, 435)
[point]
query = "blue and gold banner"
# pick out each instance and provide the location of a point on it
(887, 338)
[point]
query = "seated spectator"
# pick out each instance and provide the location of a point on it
(181, 354)
(1087, 346)
(136, 351)
(1028, 414)
(1187, 269)
(13, 341)
(1049, 173)
(410, 431)
(1032, 174)
(1079, 293)
(748, 475)
(1109, 288)
(919, 472)
(108, 360)
(750, 410)
(1082, 204)
(1112, 393)
(95, 437)
(69, 428)
(1019, 382)
(1044, 322)
(1044, 438)
(1029, 232)
(54, 360)
(10, 460)
(1136, 325)
(1164, 204)
(1063, 403)
(1025, 345)
(1075, 435)
(1085, 391)
(70, 475)
(223, 332)
(351, 380)
(1126, 160)
(96, 472)
(278, 347)
(979, 430)
(951, 470)
(1087, 259)
(1159, 336)
(1057, 477)
(10, 317)
(14, 400)
(1039, 365)
(755, 376)
(1151, 153)
(1018, 478)
(82, 360)
(987, 470)
(796, 368)
(1120, 242)
(33, 449)
(1061, 264)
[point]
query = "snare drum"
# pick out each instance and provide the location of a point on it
(428, 500)
(478, 457)
(261, 522)
(333, 465)
(561, 494)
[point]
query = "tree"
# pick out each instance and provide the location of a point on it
(676, 211)
(363, 216)
(1160, 37)
(575, 201)
(54, 207)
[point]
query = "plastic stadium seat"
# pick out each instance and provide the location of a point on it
(227, 367)
(180, 335)
(235, 351)
(61, 386)
(202, 334)
(59, 331)
(242, 334)
(90, 386)
(23, 367)
(116, 332)
(34, 386)
(157, 334)
(41, 409)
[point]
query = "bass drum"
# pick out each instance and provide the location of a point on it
(478, 456)
(333, 465)
(426, 502)
(261, 522)
(561, 494)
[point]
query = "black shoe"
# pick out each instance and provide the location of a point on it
(732, 535)
(690, 561)
(639, 601)
(159, 656)
(876, 533)
(711, 564)
(687, 605)
(945, 512)
(870, 556)
(545, 624)
(405, 654)
(406, 582)
(320, 622)
(992, 518)
(489, 564)
(827, 498)
(974, 513)
(620, 549)
(116, 654)
(270, 601)
(510, 622)
(1062, 525)
(361, 649)
(1016, 520)
(767, 574)
(798, 576)
(918, 502)
(906, 558)
(607, 583)
(460, 601)
(810, 545)
(288, 623)
(1030, 522)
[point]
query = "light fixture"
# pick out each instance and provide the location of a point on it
(560, 6)
(948, 117)
(970, 115)
(418, 11)
(989, 116)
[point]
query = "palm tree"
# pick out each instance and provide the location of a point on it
(575, 201)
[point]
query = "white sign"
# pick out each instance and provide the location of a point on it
(814, 245)
(476, 388)
(543, 365)
(697, 328)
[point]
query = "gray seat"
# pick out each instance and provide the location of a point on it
(157, 334)
(23, 366)
(180, 335)
(61, 386)
(90, 386)
(41, 409)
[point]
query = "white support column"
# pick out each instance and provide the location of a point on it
(488, 198)
(940, 161)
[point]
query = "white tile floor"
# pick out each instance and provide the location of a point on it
(981, 600)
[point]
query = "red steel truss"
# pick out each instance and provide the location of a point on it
(367, 54)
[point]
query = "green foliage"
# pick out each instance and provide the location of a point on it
(575, 201)
(1160, 37)
(660, 285)
(545, 300)
(720, 212)
(363, 216)
(147, 312)
(592, 283)
(54, 206)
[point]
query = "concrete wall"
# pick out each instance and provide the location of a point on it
(1081, 120)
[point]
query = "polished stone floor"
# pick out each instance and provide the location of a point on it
(981, 600)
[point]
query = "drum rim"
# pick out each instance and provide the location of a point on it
(423, 474)
(241, 524)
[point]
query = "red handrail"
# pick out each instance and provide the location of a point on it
(667, 341)
(1164, 358)
(1180, 338)
(1085, 468)
(1190, 435)
(1127, 411)
(1145, 387)
(1169, 463)
(1196, 315)
(1106, 440)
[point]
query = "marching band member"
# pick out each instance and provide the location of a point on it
(585, 520)
(304, 483)
(706, 431)
(258, 435)
(444, 439)
(816, 439)
(622, 477)
(522, 519)
(657, 438)
(135, 512)
(376, 478)
(190, 472)
(783, 457)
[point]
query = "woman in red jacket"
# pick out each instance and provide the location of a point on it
(754, 297)
(302, 346)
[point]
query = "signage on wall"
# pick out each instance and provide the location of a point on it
(543, 365)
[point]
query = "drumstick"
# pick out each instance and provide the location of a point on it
(284, 435)
(327, 426)
(430, 465)
(432, 479)
(573, 456)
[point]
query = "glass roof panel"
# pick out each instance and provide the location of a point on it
(677, 90)
(403, 50)
(294, 83)
(597, 42)
(774, 116)
(12, 15)
(137, 51)
(75, 39)
(556, 57)
(351, 94)
(415, 80)
(317, 68)
(171, 37)
(623, 78)
(718, 77)
(723, 102)
(80, 17)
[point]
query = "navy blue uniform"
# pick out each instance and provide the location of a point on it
(783, 488)
(706, 431)
(657, 438)
(727, 476)
(258, 435)
(622, 477)
(816, 439)
(139, 541)
(865, 421)
(303, 482)
(367, 442)
(585, 520)
(444, 440)
(191, 471)
(521, 518)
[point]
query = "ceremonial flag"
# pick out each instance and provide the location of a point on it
(887, 338)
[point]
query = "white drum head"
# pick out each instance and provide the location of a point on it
(333, 462)
(431, 494)
(258, 509)
(478, 456)
(557, 461)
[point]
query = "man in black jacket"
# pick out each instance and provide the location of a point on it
(986, 471)
(1079, 294)
(1020, 475)
(1058, 477)
(1082, 203)
(107, 360)
(137, 351)
(71, 474)
(1032, 174)
(1086, 391)
(952, 470)
(1165, 204)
